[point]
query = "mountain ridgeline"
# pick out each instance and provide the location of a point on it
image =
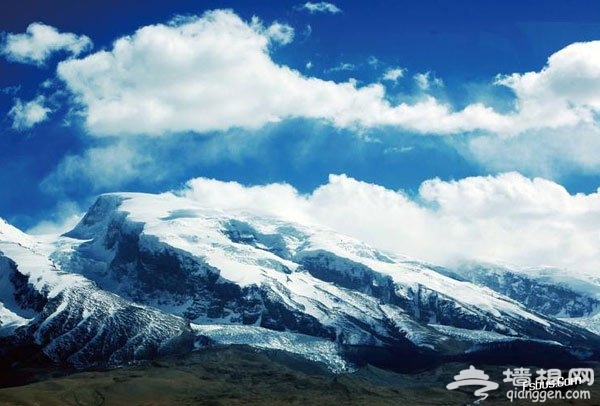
(146, 275)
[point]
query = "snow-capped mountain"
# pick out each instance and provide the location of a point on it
(574, 298)
(550, 291)
(144, 274)
(70, 317)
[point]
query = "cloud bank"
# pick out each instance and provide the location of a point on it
(215, 72)
(509, 217)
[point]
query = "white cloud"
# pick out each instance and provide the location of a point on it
(26, 115)
(10, 90)
(373, 61)
(553, 153)
(530, 222)
(276, 33)
(280, 33)
(555, 127)
(565, 92)
(398, 150)
(141, 162)
(342, 66)
(214, 72)
(393, 74)
(102, 168)
(39, 42)
(320, 7)
(307, 32)
(426, 80)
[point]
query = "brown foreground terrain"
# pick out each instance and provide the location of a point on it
(243, 376)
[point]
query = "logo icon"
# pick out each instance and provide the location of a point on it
(473, 377)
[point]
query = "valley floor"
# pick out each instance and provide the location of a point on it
(243, 376)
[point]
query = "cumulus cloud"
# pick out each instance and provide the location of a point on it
(393, 74)
(565, 92)
(39, 42)
(215, 72)
(509, 217)
(26, 115)
(320, 7)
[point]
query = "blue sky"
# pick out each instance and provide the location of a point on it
(442, 57)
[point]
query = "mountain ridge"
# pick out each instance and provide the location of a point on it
(143, 275)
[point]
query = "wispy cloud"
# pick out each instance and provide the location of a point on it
(10, 90)
(373, 61)
(342, 67)
(103, 168)
(427, 80)
(393, 74)
(39, 42)
(277, 32)
(64, 217)
(26, 115)
(320, 7)
(306, 33)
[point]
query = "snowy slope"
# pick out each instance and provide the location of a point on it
(589, 323)
(10, 234)
(550, 291)
(10, 321)
(70, 318)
